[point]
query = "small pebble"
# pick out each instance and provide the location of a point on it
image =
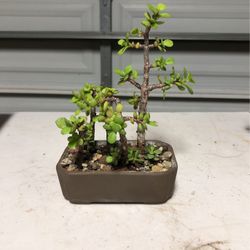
(72, 156)
(96, 157)
(147, 167)
(93, 165)
(157, 168)
(105, 167)
(84, 165)
(66, 162)
(166, 155)
(167, 164)
(72, 167)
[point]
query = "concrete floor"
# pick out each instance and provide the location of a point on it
(210, 208)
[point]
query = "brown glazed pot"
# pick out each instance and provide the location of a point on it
(118, 186)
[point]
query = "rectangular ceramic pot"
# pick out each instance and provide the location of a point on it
(118, 186)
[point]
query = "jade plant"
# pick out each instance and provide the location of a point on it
(98, 104)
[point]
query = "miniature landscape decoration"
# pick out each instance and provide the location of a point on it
(98, 104)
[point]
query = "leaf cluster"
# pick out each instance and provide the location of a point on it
(134, 156)
(163, 44)
(80, 127)
(134, 101)
(125, 44)
(126, 74)
(162, 63)
(114, 156)
(91, 96)
(153, 152)
(76, 127)
(153, 15)
(180, 80)
(114, 122)
(142, 119)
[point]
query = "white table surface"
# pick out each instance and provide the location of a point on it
(211, 202)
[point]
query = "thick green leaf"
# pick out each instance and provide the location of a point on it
(168, 43)
(146, 117)
(147, 15)
(161, 6)
(119, 108)
(107, 127)
(77, 112)
(101, 118)
(190, 90)
(140, 128)
(74, 141)
(146, 23)
(105, 106)
(135, 74)
(121, 42)
(190, 78)
(134, 31)
(63, 122)
(180, 86)
(165, 15)
(66, 130)
(73, 119)
(128, 69)
(111, 137)
(72, 144)
(149, 156)
(109, 113)
(154, 26)
(152, 8)
(115, 127)
(170, 60)
(118, 120)
(87, 87)
(159, 150)
(109, 159)
(119, 72)
(153, 123)
(122, 50)
(93, 103)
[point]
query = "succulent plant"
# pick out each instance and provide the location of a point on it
(100, 104)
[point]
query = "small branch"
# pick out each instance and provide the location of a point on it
(151, 46)
(128, 118)
(112, 99)
(133, 82)
(134, 46)
(156, 86)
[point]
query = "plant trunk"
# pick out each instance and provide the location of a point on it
(92, 143)
(124, 148)
(92, 115)
(144, 89)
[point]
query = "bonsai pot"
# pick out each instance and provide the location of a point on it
(118, 186)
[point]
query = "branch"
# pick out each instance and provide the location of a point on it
(128, 118)
(156, 86)
(136, 46)
(133, 82)
(151, 46)
(142, 46)
(112, 99)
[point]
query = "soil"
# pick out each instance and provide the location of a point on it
(96, 161)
